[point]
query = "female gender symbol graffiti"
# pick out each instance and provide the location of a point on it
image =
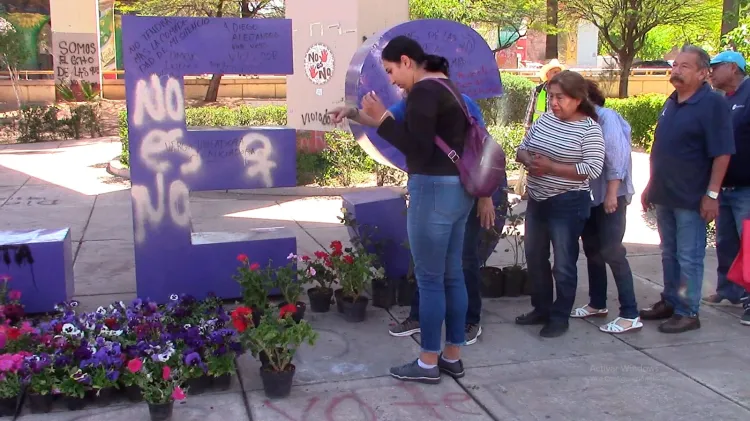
(472, 66)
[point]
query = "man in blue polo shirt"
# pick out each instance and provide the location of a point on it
(728, 73)
(692, 146)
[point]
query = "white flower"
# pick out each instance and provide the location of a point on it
(174, 297)
(90, 325)
(311, 272)
(101, 311)
(291, 256)
(187, 326)
(70, 330)
(74, 303)
(6, 27)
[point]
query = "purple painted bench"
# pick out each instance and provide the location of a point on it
(168, 160)
(381, 215)
(41, 266)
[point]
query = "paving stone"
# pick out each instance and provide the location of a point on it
(343, 351)
(51, 217)
(379, 399)
(104, 267)
(620, 386)
(211, 407)
(723, 366)
(110, 222)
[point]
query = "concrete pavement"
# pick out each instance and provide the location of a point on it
(512, 373)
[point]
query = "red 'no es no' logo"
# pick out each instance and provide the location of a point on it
(319, 64)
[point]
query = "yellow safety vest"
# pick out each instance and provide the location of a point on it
(541, 104)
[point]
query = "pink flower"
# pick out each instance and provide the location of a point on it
(6, 363)
(166, 372)
(135, 365)
(14, 295)
(311, 272)
(177, 393)
(26, 328)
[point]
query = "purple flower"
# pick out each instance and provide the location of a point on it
(193, 359)
(113, 375)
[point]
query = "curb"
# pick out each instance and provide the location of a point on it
(116, 168)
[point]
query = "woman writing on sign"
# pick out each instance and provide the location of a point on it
(438, 204)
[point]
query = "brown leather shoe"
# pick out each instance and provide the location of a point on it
(659, 311)
(679, 324)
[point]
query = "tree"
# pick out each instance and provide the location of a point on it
(211, 8)
(551, 44)
(511, 18)
(624, 24)
(13, 52)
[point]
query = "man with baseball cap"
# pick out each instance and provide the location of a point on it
(729, 74)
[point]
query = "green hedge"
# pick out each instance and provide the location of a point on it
(511, 107)
(642, 112)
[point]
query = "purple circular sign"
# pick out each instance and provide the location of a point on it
(472, 67)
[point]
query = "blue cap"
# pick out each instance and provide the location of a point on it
(730, 57)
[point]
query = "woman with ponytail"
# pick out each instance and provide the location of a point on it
(562, 151)
(439, 206)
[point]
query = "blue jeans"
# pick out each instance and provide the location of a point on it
(602, 243)
(559, 221)
(683, 248)
(478, 246)
(734, 208)
(435, 223)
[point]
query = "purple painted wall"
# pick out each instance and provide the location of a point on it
(46, 280)
(472, 65)
(169, 160)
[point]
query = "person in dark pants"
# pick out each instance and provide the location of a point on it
(563, 150)
(476, 252)
(603, 233)
(729, 74)
(693, 143)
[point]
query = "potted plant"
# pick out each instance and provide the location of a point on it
(73, 387)
(254, 282)
(515, 276)
(10, 382)
(159, 379)
(278, 337)
(318, 270)
(41, 382)
(285, 279)
(355, 272)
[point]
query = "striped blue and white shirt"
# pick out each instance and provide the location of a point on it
(578, 143)
(618, 164)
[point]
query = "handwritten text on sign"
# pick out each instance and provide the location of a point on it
(179, 47)
(76, 57)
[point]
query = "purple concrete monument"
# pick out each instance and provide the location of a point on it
(40, 265)
(472, 65)
(168, 160)
(381, 215)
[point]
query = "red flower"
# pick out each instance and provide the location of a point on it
(14, 333)
(255, 266)
(135, 366)
(241, 317)
(349, 259)
(242, 258)
(110, 322)
(178, 394)
(336, 245)
(305, 258)
(321, 254)
(336, 253)
(166, 372)
(287, 309)
(328, 262)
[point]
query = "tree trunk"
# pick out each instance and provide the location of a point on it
(550, 51)
(730, 15)
(625, 64)
(212, 93)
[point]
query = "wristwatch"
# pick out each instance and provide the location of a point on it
(712, 194)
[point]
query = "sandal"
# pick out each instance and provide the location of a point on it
(583, 312)
(614, 327)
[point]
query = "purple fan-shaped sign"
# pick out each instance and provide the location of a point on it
(472, 68)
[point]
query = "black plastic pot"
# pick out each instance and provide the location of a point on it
(320, 299)
(300, 313)
(133, 393)
(101, 396)
(405, 291)
(223, 382)
(160, 411)
(491, 282)
(198, 385)
(355, 311)
(515, 277)
(74, 403)
(277, 384)
(383, 293)
(338, 294)
(8, 406)
(40, 404)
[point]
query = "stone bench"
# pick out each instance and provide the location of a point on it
(41, 266)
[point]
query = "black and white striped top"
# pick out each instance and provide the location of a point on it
(578, 143)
